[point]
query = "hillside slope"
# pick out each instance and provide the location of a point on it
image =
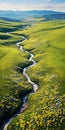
(46, 110)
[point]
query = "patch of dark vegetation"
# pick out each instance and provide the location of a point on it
(3, 29)
(7, 28)
(4, 37)
(22, 66)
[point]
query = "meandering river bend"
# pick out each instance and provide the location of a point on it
(35, 86)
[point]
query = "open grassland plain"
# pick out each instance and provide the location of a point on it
(13, 85)
(46, 110)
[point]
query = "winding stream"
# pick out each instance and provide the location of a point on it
(35, 86)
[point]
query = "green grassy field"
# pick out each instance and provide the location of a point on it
(46, 110)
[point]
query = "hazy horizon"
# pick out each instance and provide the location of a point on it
(31, 10)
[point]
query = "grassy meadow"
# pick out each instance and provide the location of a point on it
(46, 110)
(46, 107)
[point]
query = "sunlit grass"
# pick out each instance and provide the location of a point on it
(46, 41)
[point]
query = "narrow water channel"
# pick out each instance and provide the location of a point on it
(35, 86)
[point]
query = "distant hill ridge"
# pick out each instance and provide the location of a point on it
(19, 15)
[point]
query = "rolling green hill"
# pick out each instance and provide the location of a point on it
(46, 110)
